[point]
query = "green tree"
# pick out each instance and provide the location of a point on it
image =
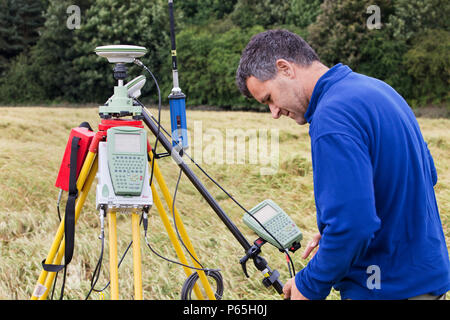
(55, 52)
(382, 57)
(340, 34)
(428, 64)
(63, 66)
(20, 21)
(223, 60)
(38, 74)
(201, 12)
(404, 31)
(416, 16)
(266, 13)
(193, 47)
(137, 22)
(340, 31)
(208, 63)
(50, 62)
(19, 84)
(302, 13)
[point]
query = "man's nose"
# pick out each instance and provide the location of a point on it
(276, 112)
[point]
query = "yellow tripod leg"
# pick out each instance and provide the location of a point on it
(78, 206)
(84, 182)
(174, 239)
(113, 263)
(181, 229)
(137, 270)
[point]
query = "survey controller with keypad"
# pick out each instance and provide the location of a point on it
(127, 155)
(276, 221)
(123, 169)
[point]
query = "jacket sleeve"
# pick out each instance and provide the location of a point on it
(346, 214)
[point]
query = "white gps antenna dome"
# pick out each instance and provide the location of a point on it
(120, 53)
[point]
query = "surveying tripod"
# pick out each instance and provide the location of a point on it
(84, 182)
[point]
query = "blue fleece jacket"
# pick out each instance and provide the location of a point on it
(382, 236)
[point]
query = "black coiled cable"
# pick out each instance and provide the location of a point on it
(188, 285)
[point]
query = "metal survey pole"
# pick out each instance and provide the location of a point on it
(196, 182)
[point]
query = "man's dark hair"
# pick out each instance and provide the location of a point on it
(264, 49)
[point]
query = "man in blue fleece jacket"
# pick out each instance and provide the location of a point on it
(380, 234)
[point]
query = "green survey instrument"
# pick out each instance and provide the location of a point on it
(273, 225)
(127, 157)
(121, 103)
(123, 174)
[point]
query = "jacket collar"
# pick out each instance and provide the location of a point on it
(329, 78)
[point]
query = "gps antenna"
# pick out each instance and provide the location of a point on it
(177, 99)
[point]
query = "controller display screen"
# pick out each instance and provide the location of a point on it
(125, 143)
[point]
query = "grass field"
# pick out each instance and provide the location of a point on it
(32, 142)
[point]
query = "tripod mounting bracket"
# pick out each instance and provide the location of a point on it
(120, 71)
(271, 277)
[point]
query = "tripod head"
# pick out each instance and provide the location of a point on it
(120, 104)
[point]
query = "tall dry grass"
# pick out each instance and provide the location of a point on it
(32, 142)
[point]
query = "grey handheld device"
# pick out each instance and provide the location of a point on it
(276, 221)
(127, 157)
(123, 175)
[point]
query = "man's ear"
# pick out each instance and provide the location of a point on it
(285, 68)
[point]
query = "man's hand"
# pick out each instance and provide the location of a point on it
(290, 289)
(313, 244)
(291, 292)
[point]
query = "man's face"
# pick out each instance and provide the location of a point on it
(282, 94)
